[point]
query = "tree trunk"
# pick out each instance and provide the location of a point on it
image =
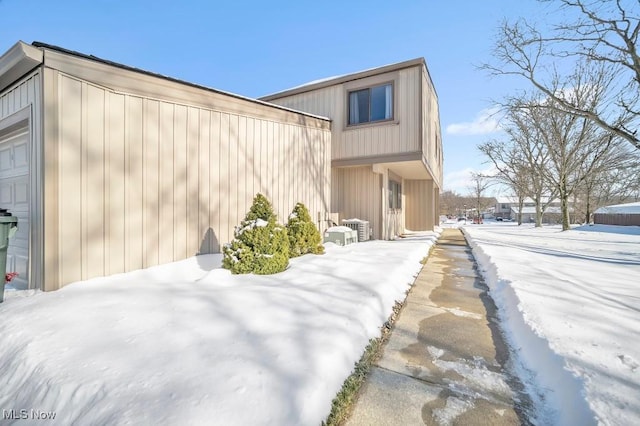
(520, 206)
(587, 214)
(564, 206)
(538, 212)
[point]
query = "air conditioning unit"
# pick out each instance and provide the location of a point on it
(340, 235)
(360, 226)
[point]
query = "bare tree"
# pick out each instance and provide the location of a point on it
(479, 185)
(512, 168)
(452, 203)
(576, 146)
(616, 179)
(598, 38)
(525, 132)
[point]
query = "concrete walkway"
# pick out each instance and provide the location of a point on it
(442, 364)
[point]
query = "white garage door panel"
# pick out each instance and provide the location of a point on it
(14, 196)
(20, 157)
(21, 198)
(6, 190)
(5, 159)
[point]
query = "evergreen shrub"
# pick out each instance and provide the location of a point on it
(304, 237)
(260, 245)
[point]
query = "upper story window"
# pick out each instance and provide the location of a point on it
(371, 104)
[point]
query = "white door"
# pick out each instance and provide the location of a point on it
(14, 196)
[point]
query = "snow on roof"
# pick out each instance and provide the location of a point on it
(325, 82)
(514, 200)
(507, 200)
(628, 208)
(532, 210)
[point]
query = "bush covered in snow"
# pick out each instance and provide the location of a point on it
(260, 245)
(304, 237)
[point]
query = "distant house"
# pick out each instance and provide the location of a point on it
(552, 214)
(619, 214)
(508, 208)
(110, 168)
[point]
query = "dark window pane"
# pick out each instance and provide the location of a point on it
(354, 117)
(390, 196)
(395, 195)
(381, 102)
(374, 104)
(363, 106)
(359, 106)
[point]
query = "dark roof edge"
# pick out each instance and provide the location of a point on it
(349, 77)
(42, 45)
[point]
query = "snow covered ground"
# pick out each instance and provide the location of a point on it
(189, 343)
(570, 305)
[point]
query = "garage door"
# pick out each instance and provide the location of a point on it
(14, 196)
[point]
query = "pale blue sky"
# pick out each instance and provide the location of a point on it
(254, 48)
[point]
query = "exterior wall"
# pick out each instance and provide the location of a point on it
(23, 101)
(431, 134)
(410, 144)
(399, 136)
(622, 219)
(393, 220)
(357, 193)
(362, 192)
(421, 199)
(137, 181)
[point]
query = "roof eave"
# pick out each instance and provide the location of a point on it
(18, 61)
(41, 47)
(345, 78)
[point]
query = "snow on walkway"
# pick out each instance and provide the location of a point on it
(189, 343)
(570, 305)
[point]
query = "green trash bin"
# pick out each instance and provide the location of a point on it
(8, 228)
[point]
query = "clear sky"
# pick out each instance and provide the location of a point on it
(254, 48)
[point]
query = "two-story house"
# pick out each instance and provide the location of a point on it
(110, 168)
(386, 151)
(508, 208)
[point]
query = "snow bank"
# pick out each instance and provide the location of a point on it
(189, 343)
(569, 304)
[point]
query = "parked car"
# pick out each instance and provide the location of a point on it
(498, 219)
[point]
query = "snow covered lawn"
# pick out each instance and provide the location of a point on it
(189, 343)
(570, 305)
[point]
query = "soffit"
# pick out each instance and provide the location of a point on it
(19, 60)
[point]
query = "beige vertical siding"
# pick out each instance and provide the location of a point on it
(420, 205)
(357, 193)
(431, 135)
(400, 136)
(21, 95)
(393, 220)
(26, 95)
(145, 181)
(415, 129)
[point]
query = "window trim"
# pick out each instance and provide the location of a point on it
(387, 80)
